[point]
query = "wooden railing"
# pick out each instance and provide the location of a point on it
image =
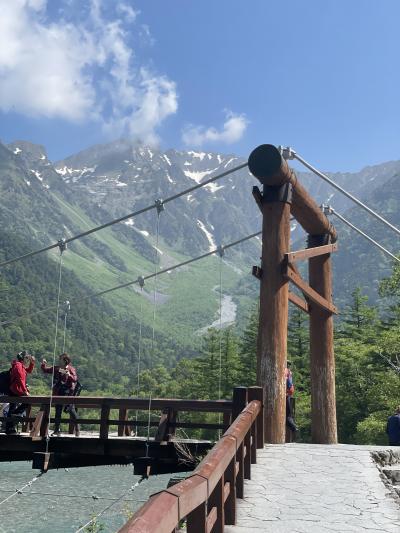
(207, 499)
(166, 424)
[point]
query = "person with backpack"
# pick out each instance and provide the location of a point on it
(20, 367)
(289, 395)
(65, 384)
(393, 428)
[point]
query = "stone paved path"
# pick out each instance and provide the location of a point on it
(305, 488)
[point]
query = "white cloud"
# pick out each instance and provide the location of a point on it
(232, 130)
(80, 70)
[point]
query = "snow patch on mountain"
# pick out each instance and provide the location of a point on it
(197, 176)
(198, 155)
(17, 150)
(37, 174)
(213, 187)
(167, 160)
(207, 234)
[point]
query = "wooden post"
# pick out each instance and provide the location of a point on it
(239, 401)
(257, 393)
(122, 417)
(196, 520)
(247, 457)
(217, 500)
(273, 321)
(105, 413)
(230, 502)
(240, 471)
(323, 398)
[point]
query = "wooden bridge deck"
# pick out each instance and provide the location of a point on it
(310, 488)
(89, 450)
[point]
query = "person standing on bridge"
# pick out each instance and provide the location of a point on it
(65, 382)
(20, 367)
(393, 428)
(289, 395)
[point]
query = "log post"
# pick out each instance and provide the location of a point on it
(323, 397)
(274, 303)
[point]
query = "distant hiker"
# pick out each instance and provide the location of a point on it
(393, 428)
(20, 367)
(289, 395)
(65, 382)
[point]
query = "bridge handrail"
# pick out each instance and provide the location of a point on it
(208, 497)
(216, 406)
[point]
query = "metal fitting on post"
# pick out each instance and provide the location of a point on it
(140, 280)
(62, 245)
(286, 152)
(220, 250)
(159, 206)
(67, 306)
(327, 209)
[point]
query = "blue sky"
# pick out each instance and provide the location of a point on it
(222, 76)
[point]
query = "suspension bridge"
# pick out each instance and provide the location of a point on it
(207, 499)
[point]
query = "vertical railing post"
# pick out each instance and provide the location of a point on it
(122, 417)
(217, 500)
(239, 401)
(257, 393)
(45, 420)
(247, 456)
(240, 471)
(104, 417)
(322, 358)
(196, 521)
(230, 503)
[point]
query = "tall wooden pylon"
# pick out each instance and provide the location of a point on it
(283, 195)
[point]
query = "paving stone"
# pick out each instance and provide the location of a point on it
(305, 488)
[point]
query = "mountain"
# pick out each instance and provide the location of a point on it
(43, 201)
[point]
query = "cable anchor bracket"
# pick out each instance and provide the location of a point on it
(220, 250)
(159, 206)
(140, 281)
(287, 152)
(62, 245)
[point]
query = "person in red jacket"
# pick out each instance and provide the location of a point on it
(65, 380)
(20, 367)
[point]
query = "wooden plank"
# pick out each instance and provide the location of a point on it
(230, 500)
(310, 252)
(308, 291)
(105, 413)
(257, 197)
(298, 302)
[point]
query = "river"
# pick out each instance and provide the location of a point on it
(66, 499)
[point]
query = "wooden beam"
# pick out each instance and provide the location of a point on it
(310, 252)
(257, 197)
(299, 302)
(308, 291)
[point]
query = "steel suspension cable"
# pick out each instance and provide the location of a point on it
(55, 347)
(19, 491)
(329, 210)
(67, 309)
(293, 154)
(77, 301)
(160, 208)
(125, 217)
(93, 520)
(221, 255)
(141, 283)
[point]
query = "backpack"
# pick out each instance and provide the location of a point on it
(5, 381)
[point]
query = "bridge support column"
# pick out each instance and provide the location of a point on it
(274, 290)
(323, 397)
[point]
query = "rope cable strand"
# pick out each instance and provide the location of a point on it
(329, 210)
(20, 490)
(125, 217)
(77, 301)
(93, 520)
(343, 191)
